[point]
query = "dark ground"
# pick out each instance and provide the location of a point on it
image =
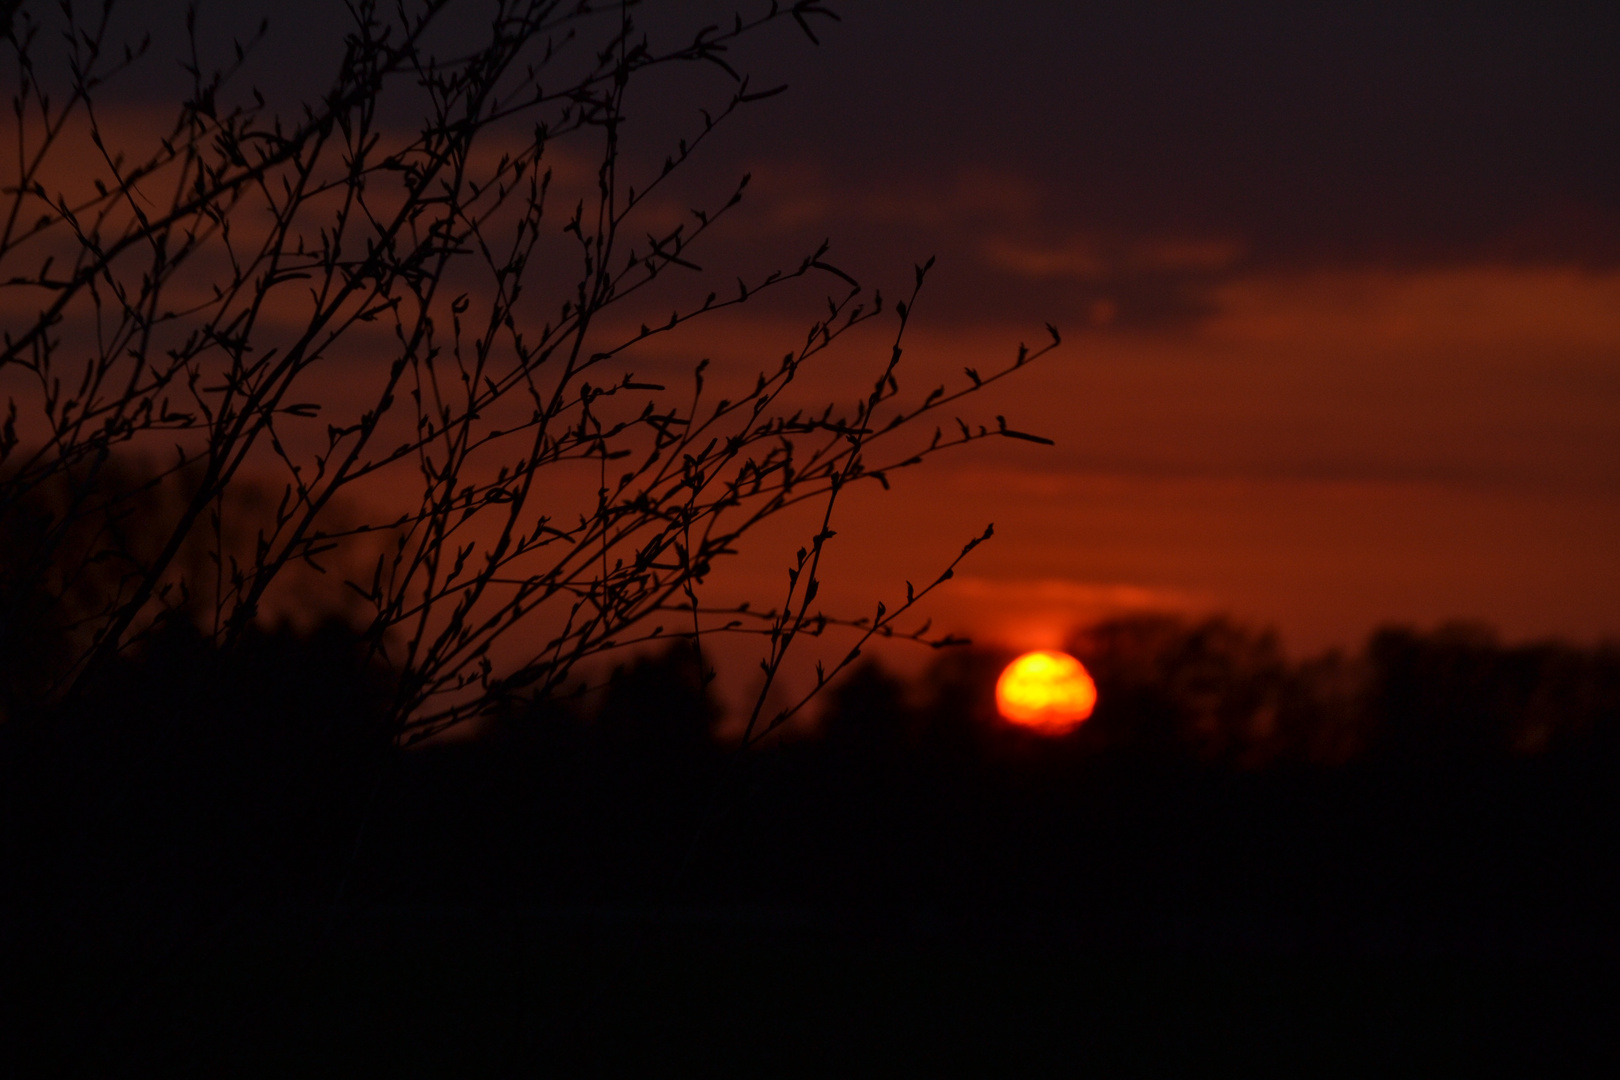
(577, 894)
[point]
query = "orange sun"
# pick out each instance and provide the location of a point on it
(1047, 692)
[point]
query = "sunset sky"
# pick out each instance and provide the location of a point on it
(1339, 289)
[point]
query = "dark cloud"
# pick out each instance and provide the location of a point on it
(1387, 133)
(1395, 132)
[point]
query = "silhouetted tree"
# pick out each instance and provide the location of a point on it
(73, 547)
(658, 710)
(1211, 689)
(867, 716)
(1457, 693)
(460, 230)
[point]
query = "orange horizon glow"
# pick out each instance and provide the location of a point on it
(1051, 693)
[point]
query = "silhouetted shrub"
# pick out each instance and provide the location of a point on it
(462, 295)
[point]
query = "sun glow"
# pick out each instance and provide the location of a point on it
(1047, 692)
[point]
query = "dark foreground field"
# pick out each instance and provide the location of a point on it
(502, 993)
(829, 921)
(241, 884)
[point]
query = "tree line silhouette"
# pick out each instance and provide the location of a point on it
(262, 760)
(1435, 794)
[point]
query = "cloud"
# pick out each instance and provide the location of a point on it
(795, 191)
(1080, 260)
(1087, 596)
(1088, 259)
(1043, 612)
(1483, 136)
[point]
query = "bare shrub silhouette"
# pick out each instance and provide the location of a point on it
(408, 308)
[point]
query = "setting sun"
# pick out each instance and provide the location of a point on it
(1048, 692)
